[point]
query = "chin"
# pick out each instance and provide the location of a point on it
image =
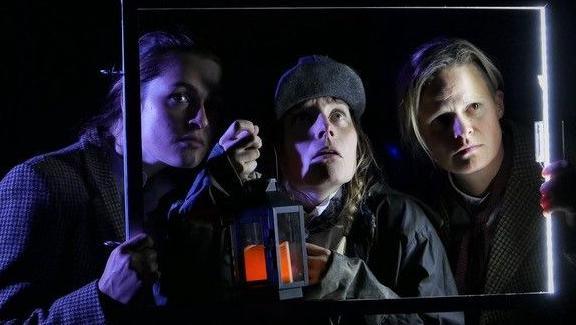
(184, 162)
(193, 158)
(191, 163)
(326, 182)
(467, 168)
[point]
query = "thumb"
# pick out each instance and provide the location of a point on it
(137, 242)
(241, 134)
(315, 250)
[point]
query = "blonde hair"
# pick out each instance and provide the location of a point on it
(424, 64)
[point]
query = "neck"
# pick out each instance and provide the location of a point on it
(148, 168)
(477, 183)
(312, 198)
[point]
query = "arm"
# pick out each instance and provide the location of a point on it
(350, 278)
(424, 270)
(197, 224)
(230, 163)
(32, 270)
(408, 259)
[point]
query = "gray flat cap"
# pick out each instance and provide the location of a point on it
(319, 76)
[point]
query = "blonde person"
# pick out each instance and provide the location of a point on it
(487, 184)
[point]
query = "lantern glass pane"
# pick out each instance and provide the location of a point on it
(290, 248)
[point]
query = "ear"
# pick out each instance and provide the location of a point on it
(499, 99)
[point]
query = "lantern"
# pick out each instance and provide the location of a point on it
(268, 244)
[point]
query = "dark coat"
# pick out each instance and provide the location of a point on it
(56, 210)
(393, 250)
(517, 259)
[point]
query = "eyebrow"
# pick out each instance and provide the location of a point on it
(189, 87)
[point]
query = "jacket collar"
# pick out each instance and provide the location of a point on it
(106, 198)
(520, 227)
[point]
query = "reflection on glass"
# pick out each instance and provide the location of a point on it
(254, 253)
(289, 237)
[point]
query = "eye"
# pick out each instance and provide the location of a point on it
(474, 106)
(443, 121)
(338, 116)
(179, 99)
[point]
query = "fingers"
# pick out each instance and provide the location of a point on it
(314, 272)
(246, 141)
(558, 187)
(554, 168)
(242, 145)
(240, 125)
(317, 262)
(557, 190)
(315, 250)
(244, 153)
(137, 242)
(145, 264)
(238, 130)
(129, 266)
(143, 258)
(249, 168)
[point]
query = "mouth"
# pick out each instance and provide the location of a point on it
(463, 152)
(192, 140)
(326, 153)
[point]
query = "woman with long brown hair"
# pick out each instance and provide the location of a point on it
(364, 240)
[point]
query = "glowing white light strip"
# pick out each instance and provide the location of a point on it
(546, 150)
(543, 83)
(315, 8)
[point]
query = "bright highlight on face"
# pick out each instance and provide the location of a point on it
(319, 145)
(175, 126)
(459, 120)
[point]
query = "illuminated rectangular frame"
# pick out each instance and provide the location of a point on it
(369, 306)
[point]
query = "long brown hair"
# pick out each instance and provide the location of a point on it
(154, 47)
(367, 172)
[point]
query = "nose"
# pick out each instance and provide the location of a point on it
(323, 128)
(461, 127)
(200, 119)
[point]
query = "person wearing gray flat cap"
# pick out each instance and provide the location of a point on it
(364, 240)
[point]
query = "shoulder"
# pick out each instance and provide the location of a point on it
(526, 172)
(401, 212)
(54, 168)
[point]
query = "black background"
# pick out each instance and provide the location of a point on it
(52, 53)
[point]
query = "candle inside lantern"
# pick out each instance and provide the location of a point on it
(285, 263)
(255, 263)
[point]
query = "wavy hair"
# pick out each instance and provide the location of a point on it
(367, 172)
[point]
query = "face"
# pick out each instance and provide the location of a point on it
(459, 120)
(319, 145)
(175, 127)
